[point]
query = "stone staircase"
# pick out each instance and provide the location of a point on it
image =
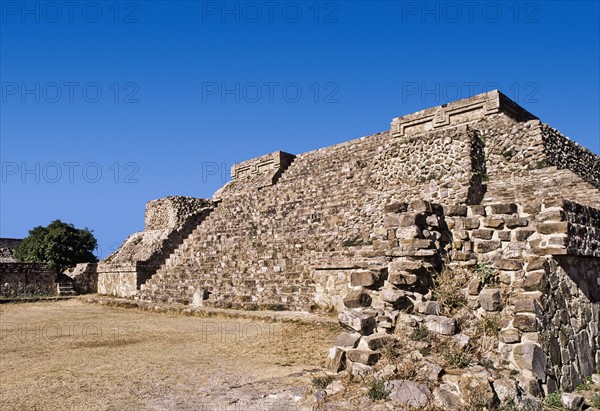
(65, 288)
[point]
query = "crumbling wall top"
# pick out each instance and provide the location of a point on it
(459, 112)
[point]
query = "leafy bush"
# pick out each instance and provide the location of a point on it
(377, 390)
(553, 400)
(486, 274)
(60, 245)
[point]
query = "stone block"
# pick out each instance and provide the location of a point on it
(402, 278)
(482, 234)
(420, 206)
(408, 393)
(357, 298)
(363, 322)
(506, 389)
(487, 246)
(455, 210)
(490, 299)
(509, 264)
(552, 228)
(523, 235)
(510, 336)
(366, 357)
(535, 281)
(335, 360)
(471, 223)
(440, 324)
(494, 222)
(363, 278)
(347, 340)
(526, 302)
(506, 208)
(514, 222)
(392, 296)
(525, 322)
(376, 341)
(504, 235)
(572, 401)
(530, 357)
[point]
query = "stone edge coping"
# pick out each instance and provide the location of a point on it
(35, 299)
(180, 309)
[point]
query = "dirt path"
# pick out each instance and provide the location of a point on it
(75, 356)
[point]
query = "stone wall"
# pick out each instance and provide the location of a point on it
(26, 279)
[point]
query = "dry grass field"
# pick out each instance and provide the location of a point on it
(70, 355)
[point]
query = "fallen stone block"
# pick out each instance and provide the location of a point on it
(359, 321)
(440, 324)
(572, 401)
(347, 340)
(335, 360)
(357, 298)
(366, 357)
(408, 392)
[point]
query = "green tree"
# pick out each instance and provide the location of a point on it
(60, 245)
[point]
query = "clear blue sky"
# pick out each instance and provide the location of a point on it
(108, 105)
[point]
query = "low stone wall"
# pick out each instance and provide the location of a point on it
(118, 279)
(23, 279)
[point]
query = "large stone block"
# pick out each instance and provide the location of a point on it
(531, 357)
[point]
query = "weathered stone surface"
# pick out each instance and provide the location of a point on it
(505, 389)
(525, 322)
(391, 296)
(363, 278)
(408, 392)
(447, 400)
(357, 298)
(490, 299)
(440, 324)
(376, 341)
(503, 208)
(509, 264)
(572, 401)
(530, 357)
(358, 321)
(552, 228)
(366, 357)
(347, 340)
(429, 371)
(510, 336)
(487, 246)
(526, 302)
(335, 359)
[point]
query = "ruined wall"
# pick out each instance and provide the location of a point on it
(170, 213)
(26, 279)
(168, 223)
(7, 249)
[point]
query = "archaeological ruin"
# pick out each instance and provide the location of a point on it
(367, 228)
